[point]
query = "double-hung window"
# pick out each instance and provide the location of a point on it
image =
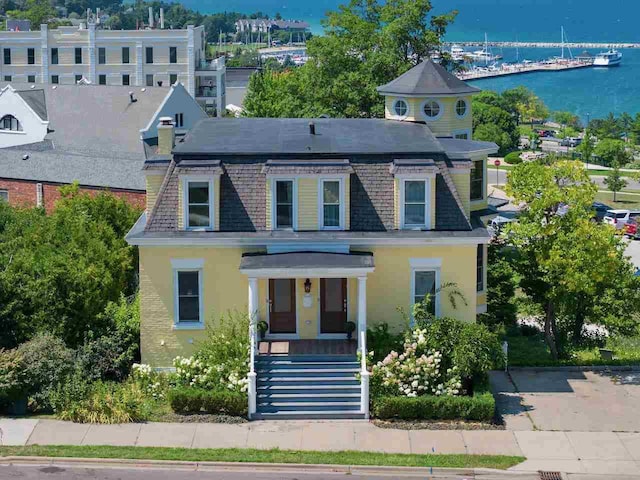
(188, 299)
(7, 56)
(78, 55)
(331, 213)
(284, 204)
(414, 196)
(149, 54)
(125, 55)
(425, 289)
(477, 180)
(198, 203)
(480, 269)
(54, 56)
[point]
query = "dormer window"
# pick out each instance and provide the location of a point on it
(198, 203)
(431, 109)
(414, 194)
(9, 122)
(332, 204)
(284, 203)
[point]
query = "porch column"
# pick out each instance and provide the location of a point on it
(362, 345)
(253, 318)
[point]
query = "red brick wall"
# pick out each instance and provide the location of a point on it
(24, 193)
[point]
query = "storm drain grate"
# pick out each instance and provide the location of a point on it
(550, 475)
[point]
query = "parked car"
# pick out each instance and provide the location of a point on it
(618, 218)
(546, 133)
(571, 142)
(631, 228)
(601, 210)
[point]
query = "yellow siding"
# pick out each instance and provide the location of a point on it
(268, 205)
(445, 124)
(482, 204)
(153, 182)
(307, 204)
(463, 186)
(225, 288)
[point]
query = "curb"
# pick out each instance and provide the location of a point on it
(579, 368)
(254, 467)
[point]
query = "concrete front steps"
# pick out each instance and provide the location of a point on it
(307, 387)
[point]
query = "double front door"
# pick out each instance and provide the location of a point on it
(282, 306)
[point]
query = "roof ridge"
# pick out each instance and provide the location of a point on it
(446, 175)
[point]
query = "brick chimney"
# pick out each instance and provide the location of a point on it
(166, 136)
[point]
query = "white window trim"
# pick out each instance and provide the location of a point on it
(274, 204)
(466, 111)
(461, 131)
(485, 253)
(440, 112)
(187, 265)
(425, 268)
(427, 203)
(393, 108)
(484, 183)
(186, 179)
(342, 205)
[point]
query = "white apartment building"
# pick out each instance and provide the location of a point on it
(141, 58)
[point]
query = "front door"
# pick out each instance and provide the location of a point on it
(282, 305)
(333, 305)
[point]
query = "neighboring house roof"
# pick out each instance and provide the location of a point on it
(47, 165)
(36, 100)
(282, 136)
(425, 79)
(95, 119)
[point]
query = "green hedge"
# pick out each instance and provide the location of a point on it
(197, 400)
(513, 158)
(480, 407)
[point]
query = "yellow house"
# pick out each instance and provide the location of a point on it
(314, 226)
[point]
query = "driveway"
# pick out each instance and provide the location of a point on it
(568, 400)
(633, 251)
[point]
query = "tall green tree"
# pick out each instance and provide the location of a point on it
(38, 12)
(613, 152)
(587, 147)
(614, 180)
(367, 43)
(562, 254)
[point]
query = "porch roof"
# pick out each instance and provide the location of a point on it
(307, 264)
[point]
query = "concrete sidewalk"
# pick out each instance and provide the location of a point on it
(568, 452)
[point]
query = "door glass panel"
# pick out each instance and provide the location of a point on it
(333, 301)
(282, 296)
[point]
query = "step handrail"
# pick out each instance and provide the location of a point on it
(252, 377)
(364, 375)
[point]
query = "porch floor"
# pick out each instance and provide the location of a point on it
(307, 347)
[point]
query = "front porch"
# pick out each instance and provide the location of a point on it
(305, 367)
(307, 347)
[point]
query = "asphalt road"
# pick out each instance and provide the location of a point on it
(32, 472)
(599, 180)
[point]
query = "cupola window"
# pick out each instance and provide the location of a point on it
(431, 109)
(401, 108)
(461, 108)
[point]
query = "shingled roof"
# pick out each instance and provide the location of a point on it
(428, 78)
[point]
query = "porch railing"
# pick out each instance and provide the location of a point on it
(252, 389)
(364, 375)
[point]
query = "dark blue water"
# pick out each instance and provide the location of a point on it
(594, 91)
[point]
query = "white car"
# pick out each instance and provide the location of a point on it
(618, 218)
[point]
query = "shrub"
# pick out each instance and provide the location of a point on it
(513, 158)
(153, 384)
(480, 407)
(105, 358)
(381, 341)
(471, 347)
(501, 290)
(13, 384)
(106, 402)
(197, 400)
(48, 362)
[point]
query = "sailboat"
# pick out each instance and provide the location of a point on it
(485, 55)
(564, 41)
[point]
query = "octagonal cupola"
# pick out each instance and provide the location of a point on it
(429, 94)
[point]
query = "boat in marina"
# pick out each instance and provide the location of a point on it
(457, 53)
(610, 58)
(485, 55)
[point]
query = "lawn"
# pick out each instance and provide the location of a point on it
(532, 351)
(625, 200)
(267, 456)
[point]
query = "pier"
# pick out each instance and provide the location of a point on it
(578, 45)
(520, 68)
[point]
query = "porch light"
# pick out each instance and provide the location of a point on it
(307, 286)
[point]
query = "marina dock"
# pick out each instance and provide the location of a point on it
(521, 68)
(594, 45)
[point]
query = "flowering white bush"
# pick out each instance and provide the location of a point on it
(416, 371)
(148, 380)
(192, 372)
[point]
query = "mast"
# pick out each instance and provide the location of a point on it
(486, 49)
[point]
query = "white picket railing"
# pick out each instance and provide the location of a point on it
(364, 375)
(252, 377)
